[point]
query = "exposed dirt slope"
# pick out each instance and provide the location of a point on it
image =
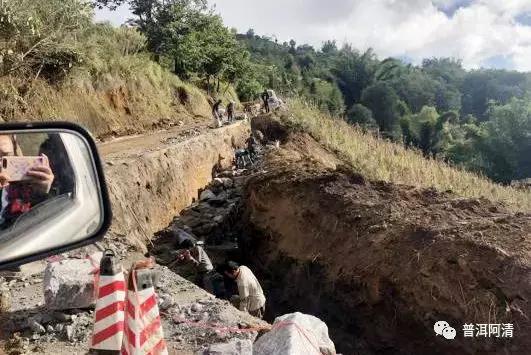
(151, 179)
(116, 108)
(381, 263)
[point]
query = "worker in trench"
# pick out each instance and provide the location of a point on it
(250, 296)
(195, 254)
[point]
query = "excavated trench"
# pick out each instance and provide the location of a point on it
(222, 223)
(379, 263)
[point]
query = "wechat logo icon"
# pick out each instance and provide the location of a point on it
(444, 329)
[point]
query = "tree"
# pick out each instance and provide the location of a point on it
(361, 115)
(421, 129)
(326, 96)
(110, 4)
(447, 70)
(354, 72)
(329, 47)
(507, 150)
(415, 88)
(292, 45)
(382, 100)
(430, 132)
(250, 33)
(166, 22)
(40, 38)
(249, 89)
(306, 61)
(391, 68)
(210, 50)
(481, 87)
(449, 74)
(193, 37)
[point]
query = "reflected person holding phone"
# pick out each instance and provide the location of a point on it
(20, 193)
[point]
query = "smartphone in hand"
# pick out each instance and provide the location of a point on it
(17, 167)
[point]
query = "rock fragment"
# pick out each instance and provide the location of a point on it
(69, 284)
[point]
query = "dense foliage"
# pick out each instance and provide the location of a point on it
(479, 119)
(40, 38)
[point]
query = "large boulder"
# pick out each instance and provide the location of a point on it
(296, 334)
(69, 283)
(234, 347)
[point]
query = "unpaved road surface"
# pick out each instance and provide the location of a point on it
(128, 146)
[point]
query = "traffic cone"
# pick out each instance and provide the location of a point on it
(110, 304)
(143, 327)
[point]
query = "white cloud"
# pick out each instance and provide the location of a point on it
(475, 32)
(116, 17)
(472, 30)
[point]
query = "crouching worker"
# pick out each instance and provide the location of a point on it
(196, 255)
(250, 297)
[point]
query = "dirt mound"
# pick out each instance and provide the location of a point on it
(381, 263)
(297, 145)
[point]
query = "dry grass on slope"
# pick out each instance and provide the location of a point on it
(378, 159)
(131, 95)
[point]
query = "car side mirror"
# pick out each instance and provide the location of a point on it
(53, 196)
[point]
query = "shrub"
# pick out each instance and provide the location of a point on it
(39, 38)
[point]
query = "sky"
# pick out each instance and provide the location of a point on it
(482, 33)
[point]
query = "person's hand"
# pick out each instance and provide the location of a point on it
(4, 180)
(41, 176)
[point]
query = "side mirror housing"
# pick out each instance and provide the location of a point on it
(52, 191)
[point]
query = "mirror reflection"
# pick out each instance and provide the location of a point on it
(26, 180)
(49, 192)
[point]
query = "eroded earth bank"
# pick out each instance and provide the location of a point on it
(381, 263)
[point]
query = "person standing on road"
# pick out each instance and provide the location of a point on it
(196, 255)
(216, 113)
(250, 297)
(230, 111)
(265, 98)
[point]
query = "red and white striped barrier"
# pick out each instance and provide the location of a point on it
(143, 328)
(110, 304)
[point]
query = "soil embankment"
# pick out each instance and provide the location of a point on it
(381, 263)
(149, 184)
(117, 107)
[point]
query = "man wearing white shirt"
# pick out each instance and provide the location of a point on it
(251, 296)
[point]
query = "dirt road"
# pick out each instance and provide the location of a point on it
(131, 145)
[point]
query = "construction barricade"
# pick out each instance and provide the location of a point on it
(107, 336)
(143, 329)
